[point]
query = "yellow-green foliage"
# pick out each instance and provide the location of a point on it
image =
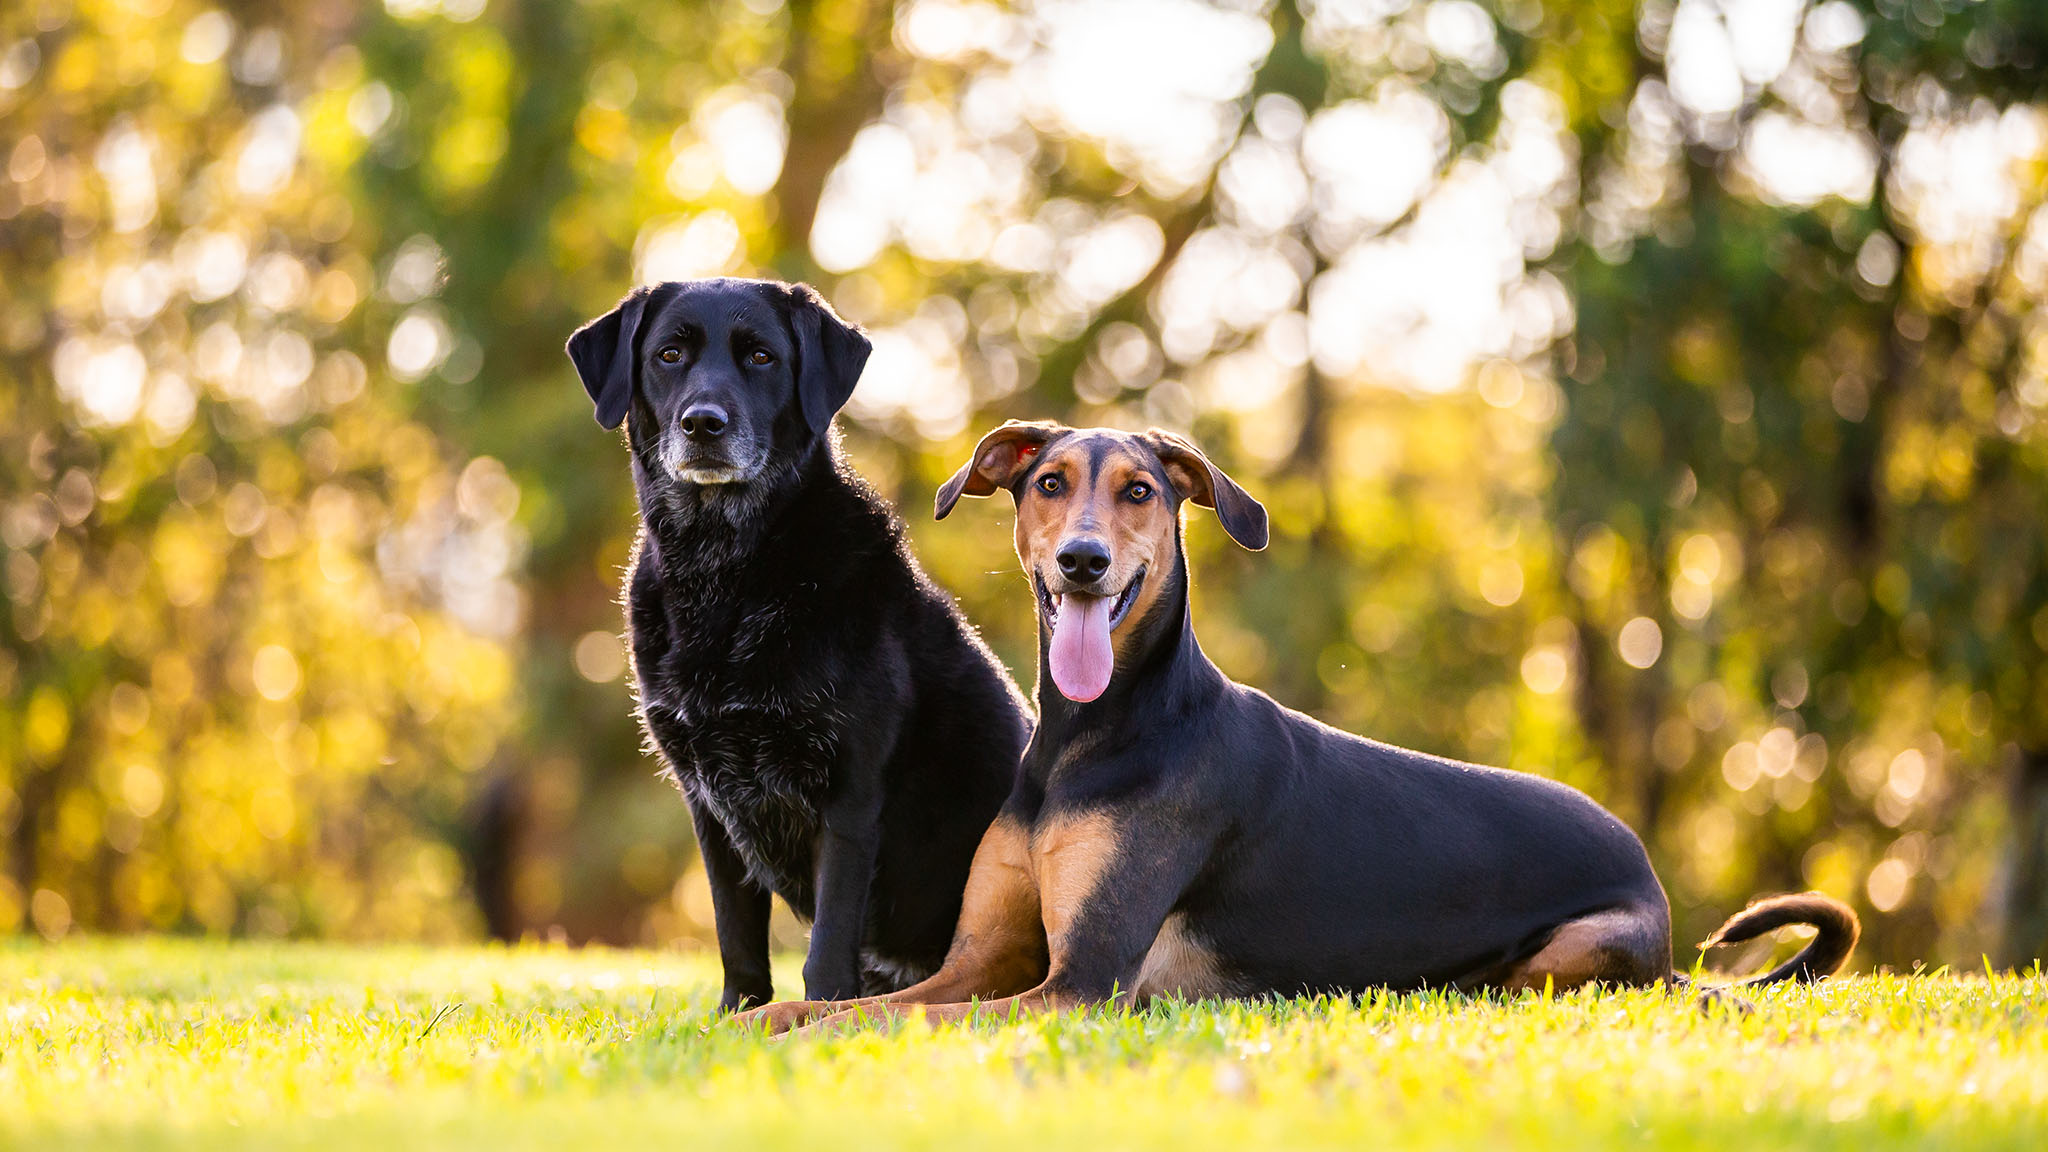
(1609, 456)
(202, 1045)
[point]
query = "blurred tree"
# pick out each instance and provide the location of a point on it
(259, 619)
(1800, 481)
(1647, 394)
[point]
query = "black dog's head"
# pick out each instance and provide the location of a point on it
(724, 379)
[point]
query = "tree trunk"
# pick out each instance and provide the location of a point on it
(838, 91)
(2024, 937)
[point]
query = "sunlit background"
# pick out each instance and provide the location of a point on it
(1651, 395)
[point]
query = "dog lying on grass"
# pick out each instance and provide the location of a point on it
(1175, 833)
(843, 738)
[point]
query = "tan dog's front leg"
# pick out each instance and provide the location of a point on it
(998, 950)
(887, 1012)
(779, 1017)
(1104, 891)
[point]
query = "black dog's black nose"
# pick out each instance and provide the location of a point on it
(704, 422)
(1083, 561)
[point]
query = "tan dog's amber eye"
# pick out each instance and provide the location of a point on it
(760, 356)
(1050, 485)
(670, 354)
(1139, 492)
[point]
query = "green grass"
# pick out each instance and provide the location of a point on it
(183, 1044)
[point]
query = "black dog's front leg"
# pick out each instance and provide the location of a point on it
(851, 835)
(741, 909)
(846, 869)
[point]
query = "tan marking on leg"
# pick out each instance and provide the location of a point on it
(998, 948)
(1072, 856)
(1177, 964)
(1047, 875)
(1579, 952)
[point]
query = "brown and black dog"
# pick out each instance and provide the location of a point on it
(1173, 832)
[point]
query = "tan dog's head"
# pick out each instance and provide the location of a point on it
(1098, 516)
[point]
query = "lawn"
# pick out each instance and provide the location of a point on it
(186, 1044)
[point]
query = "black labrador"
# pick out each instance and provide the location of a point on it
(1175, 833)
(841, 734)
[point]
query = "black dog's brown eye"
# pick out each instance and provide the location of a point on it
(1139, 492)
(1050, 485)
(761, 356)
(670, 354)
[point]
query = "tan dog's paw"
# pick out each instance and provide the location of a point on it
(779, 1017)
(875, 1016)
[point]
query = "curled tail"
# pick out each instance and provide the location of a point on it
(1835, 922)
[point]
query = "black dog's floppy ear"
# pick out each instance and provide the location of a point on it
(998, 460)
(1204, 483)
(602, 351)
(830, 354)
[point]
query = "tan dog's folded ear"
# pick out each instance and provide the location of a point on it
(1204, 483)
(1000, 458)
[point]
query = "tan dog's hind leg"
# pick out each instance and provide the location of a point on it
(1619, 946)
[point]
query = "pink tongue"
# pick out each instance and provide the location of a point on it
(1081, 659)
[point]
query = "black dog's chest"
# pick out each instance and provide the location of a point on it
(765, 779)
(744, 708)
(747, 756)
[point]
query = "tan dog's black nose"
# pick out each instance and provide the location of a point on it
(1083, 561)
